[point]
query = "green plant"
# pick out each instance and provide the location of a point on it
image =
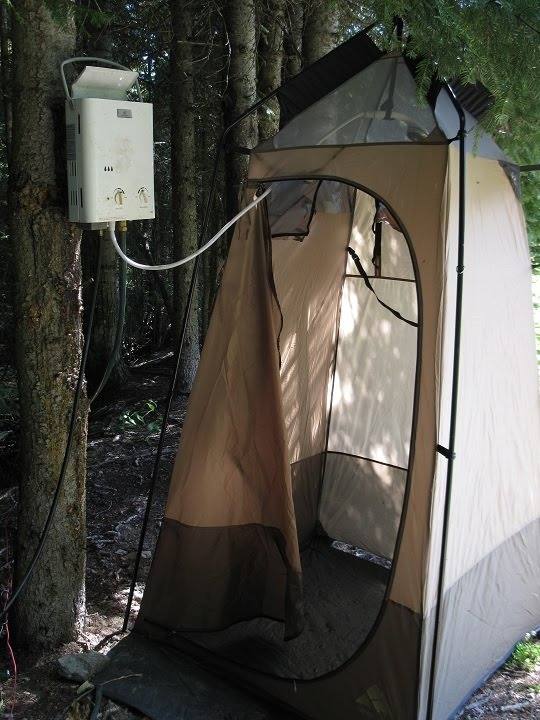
(145, 415)
(526, 656)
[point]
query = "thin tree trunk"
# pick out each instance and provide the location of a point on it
(292, 42)
(320, 30)
(184, 182)
(5, 69)
(242, 92)
(209, 96)
(47, 269)
(270, 61)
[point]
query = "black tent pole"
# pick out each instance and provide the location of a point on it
(450, 452)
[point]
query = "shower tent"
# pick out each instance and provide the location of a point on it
(309, 505)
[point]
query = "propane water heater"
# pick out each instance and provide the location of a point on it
(109, 147)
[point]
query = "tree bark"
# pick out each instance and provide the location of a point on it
(242, 93)
(184, 183)
(5, 70)
(270, 61)
(47, 270)
(292, 42)
(320, 30)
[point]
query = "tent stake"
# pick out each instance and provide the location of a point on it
(453, 408)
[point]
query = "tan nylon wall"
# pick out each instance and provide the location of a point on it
(493, 552)
(411, 181)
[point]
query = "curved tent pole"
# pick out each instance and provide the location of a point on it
(449, 453)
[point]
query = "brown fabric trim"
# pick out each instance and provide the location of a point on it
(208, 578)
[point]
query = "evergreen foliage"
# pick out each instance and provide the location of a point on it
(493, 42)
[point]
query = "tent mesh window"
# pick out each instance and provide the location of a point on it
(391, 111)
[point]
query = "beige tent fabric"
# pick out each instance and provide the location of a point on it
(308, 277)
(228, 549)
(492, 569)
(410, 181)
(361, 502)
(373, 396)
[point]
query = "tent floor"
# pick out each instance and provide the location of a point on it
(164, 684)
(342, 597)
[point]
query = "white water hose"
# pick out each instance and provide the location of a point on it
(169, 266)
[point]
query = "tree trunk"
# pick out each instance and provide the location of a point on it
(97, 42)
(242, 93)
(47, 270)
(270, 61)
(184, 183)
(209, 96)
(320, 30)
(106, 315)
(5, 69)
(292, 42)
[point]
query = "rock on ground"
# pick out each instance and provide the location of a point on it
(81, 666)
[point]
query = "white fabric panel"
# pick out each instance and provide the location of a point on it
(373, 394)
(477, 141)
(361, 502)
(491, 592)
(395, 255)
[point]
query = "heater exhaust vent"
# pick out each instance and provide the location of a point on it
(71, 148)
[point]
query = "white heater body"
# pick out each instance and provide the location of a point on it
(110, 155)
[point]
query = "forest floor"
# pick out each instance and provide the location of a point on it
(123, 435)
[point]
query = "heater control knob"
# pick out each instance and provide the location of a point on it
(119, 197)
(143, 197)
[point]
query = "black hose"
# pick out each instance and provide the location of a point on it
(119, 333)
(67, 452)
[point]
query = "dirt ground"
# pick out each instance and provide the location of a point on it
(122, 441)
